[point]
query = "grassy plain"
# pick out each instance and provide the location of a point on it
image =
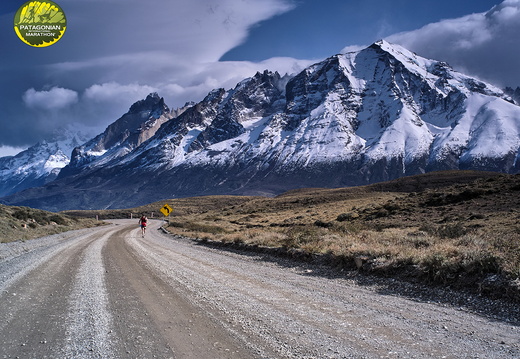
(457, 228)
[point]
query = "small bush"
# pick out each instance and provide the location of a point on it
(322, 224)
(439, 267)
(452, 231)
(380, 212)
(297, 237)
(440, 199)
(21, 214)
(419, 242)
(347, 216)
(391, 206)
(59, 220)
(199, 227)
(480, 262)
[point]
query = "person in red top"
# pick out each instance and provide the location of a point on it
(142, 222)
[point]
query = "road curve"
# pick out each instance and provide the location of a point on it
(109, 293)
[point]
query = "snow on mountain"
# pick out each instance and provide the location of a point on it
(381, 104)
(354, 118)
(43, 162)
(121, 137)
(514, 94)
(38, 164)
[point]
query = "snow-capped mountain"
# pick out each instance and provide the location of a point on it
(355, 118)
(139, 124)
(38, 164)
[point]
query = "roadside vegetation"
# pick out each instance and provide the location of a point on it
(24, 223)
(455, 229)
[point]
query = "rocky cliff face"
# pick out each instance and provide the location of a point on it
(127, 133)
(355, 118)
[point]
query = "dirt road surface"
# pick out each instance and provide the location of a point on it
(109, 293)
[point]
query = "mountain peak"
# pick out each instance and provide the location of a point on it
(380, 43)
(397, 51)
(152, 102)
(384, 46)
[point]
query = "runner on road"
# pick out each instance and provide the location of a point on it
(142, 222)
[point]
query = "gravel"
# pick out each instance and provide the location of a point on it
(229, 302)
(89, 325)
(20, 257)
(304, 311)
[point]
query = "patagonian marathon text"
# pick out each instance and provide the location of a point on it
(40, 27)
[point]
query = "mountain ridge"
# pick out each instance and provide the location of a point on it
(355, 118)
(38, 165)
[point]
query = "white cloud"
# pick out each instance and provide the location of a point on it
(197, 81)
(115, 92)
(485, 45)
(173, 51)
(10, 151)
(201, 30)
(54, 99)
(180, 83)
(352, 48)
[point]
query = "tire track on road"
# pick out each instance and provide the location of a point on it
(279, 319)
(174, 326)
(90, 323)
(35, 301)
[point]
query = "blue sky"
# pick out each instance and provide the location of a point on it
(115, 52)
(320, 28)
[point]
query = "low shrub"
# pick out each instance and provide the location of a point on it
(59, 220)
(347, 216)
(450, 230)
(323, 224)
(199, 227)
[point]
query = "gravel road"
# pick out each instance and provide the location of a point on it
(109, 293)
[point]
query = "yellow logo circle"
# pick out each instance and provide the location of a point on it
(40, 23)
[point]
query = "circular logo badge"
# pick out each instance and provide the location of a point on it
(40, 23)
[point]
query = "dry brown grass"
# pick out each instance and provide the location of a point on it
(457, 234)
(23, 223)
